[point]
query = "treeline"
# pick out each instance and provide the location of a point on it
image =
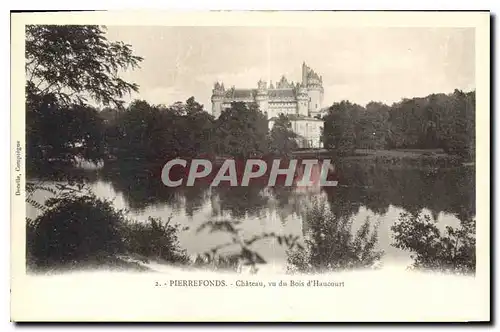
(141, 132)
(438, 121)
(150, 133)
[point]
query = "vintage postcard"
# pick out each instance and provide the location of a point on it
(250, 166)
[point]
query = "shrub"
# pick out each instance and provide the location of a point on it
(455, 251)
(75, 229)
(331, 245)
(154, 239)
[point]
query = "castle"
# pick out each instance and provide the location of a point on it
(301, 102)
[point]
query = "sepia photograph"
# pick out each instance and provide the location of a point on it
(209, 155)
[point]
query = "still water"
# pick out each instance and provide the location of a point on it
(365, 190)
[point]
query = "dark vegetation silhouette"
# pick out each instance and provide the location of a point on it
(151, 134)
(282, 139)
(75, 228)
(66, 67)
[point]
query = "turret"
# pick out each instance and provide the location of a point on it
(304, 73)
(314, 85)
(302, 100)
(283, 83)
(218, 93)
(262, 97)
(262, 86)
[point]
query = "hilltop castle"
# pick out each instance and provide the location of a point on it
(301, 102)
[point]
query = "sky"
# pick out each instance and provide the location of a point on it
(357, 64)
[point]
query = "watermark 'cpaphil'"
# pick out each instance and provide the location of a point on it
(293, 172)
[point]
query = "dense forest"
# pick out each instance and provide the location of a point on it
(438, 121)
(151, 134)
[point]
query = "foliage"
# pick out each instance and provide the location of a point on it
(454, 251)
(67, 67)
(331, 246)
(154, 239)
(436, 121)
(76, 62)
(154, 133)
(458, 129)
(374, 126)
(75, 227)
(62, 136)
(282, 139)
(241, 131)
(198, 129)
(340, 128)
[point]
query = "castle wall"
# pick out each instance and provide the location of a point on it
(277, 107)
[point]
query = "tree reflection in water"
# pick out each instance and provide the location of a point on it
(372, 186)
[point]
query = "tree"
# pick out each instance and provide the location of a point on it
(195, 129)
(375, 126)
(74, 229)
(77, 62)
(458, 124)
(406, 123)
(61, 136)
(340, 128)
(151, 134)
(241, 131)
(67, 66)
(436, 121)
(282, 139)
(138, 134)
(433, 122)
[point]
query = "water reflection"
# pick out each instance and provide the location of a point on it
(364, 190)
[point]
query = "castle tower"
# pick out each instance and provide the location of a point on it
(304, 73)
(262, 97)
(314, 85)
(217, 99)
(302, 100)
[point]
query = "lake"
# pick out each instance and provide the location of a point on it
(365, 189)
